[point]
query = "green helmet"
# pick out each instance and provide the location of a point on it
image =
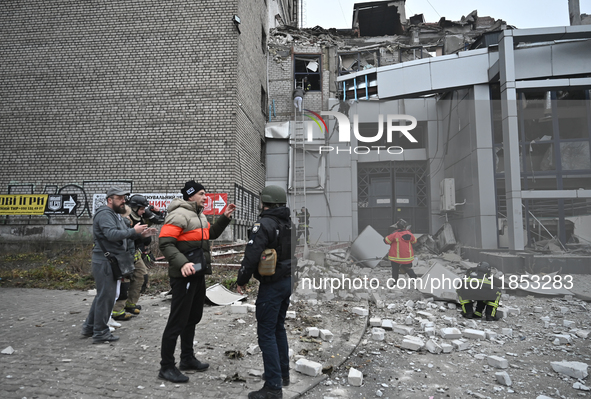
(273, 195)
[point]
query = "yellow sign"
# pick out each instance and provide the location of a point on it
(23, 204)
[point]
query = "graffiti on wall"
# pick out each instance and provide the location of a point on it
(70, 203)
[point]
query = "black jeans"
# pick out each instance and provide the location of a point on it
(186, 310)
(271, 307)
(406, 267)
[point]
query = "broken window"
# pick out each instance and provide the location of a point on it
(263, 152)
(264, 102)
(554, 154)
(361, 87)
(307, 72)
(357, 61)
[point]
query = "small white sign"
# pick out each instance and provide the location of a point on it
(402, 201)
(383, 200)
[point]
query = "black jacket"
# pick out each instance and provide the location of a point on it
(265, 234)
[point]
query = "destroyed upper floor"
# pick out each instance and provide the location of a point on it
(383, 35)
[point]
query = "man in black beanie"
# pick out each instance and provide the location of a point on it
(184, 241)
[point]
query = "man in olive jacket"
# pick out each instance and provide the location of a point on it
(186, 230)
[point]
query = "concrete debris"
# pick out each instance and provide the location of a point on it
(503, 378)
(460, 345)
(497, 362)
(238, 308)
(474, 334)
(8, 350)
(413, 343)
(313, 332)
(375, 322)
(450, 333)
(437, 283)
(326, 335)
(253, 350)
(360, 311)
(308, 367)
(571, 369)
(507, 332)
(581, 387)
(355, 377)
(378, 334)
(369, 247)
(403, 330)
(433, 347)
(255, 373)
(387, 325)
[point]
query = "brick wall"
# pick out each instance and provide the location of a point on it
(142, 91)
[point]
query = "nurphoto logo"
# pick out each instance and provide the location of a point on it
(344, 129)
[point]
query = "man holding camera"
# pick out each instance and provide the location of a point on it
(184, 241)
(139, 211)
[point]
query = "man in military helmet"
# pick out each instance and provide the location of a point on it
(479, 288)
(274, 230)
(138, 211)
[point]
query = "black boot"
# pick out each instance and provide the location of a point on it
(172, 374)
(489, 314)
(467, 310)
(193, 364)
(266, 393)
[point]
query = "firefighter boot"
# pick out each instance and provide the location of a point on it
(467, 310)
(491, 313)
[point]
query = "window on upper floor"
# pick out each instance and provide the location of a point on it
(307, 72)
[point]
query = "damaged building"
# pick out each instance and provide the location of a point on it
(499, 127)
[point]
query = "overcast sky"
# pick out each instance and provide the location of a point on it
(519, 13)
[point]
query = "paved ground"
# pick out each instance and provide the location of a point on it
(51, 358)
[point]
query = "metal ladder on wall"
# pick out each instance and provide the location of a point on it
(299, 167)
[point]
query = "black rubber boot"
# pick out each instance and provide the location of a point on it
(468, 310)
(488, 311)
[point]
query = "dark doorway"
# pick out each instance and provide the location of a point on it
(390, 191)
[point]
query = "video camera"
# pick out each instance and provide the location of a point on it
(157, 217)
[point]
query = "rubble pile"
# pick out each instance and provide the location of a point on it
(416, 345)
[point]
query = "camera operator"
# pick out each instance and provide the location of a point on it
(139, 211)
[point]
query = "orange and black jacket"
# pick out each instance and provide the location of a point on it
(186, 228)
(401, 250)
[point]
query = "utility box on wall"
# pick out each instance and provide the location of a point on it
(447, 199)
